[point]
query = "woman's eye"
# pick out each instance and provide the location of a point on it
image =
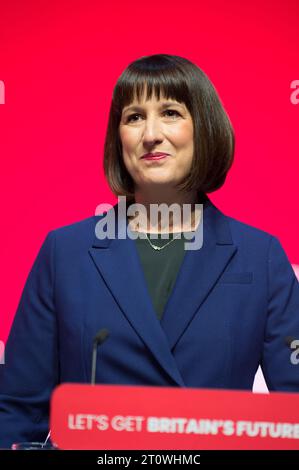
(172, 112)
(131, 117)
(168, 113)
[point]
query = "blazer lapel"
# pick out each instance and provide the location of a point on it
(118, 262)
(199, 272)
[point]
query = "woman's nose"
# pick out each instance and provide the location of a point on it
(152, 130)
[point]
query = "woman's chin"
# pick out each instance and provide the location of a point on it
(157, 183)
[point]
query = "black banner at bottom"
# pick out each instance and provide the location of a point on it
(133, 459)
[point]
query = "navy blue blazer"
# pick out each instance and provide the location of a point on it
(235, 305)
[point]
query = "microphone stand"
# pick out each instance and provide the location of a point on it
(99, 339)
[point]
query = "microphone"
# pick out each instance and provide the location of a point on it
(99, 339)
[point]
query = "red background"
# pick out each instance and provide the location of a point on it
(59, 62)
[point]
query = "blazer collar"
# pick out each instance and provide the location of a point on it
(118, 262)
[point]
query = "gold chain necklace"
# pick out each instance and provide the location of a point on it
(159, 248)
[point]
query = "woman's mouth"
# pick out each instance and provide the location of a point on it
(154, 156)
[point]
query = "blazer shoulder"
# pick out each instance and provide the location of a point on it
(244, 228)
(243, 233)
(77, 232)
(239, 231)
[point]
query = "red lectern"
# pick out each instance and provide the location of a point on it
(132, 417)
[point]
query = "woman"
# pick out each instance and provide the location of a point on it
(203, 317)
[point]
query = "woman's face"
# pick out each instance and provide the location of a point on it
(153, 126)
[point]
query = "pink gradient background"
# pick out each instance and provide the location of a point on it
(59, 61)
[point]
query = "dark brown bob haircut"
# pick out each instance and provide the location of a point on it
(177, 78)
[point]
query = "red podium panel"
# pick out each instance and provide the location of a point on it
(132, 417)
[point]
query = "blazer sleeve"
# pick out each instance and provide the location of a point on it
(31, 367)
(282, 327)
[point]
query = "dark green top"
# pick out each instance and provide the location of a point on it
(161, 267)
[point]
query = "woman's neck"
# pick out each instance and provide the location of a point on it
(166, 212)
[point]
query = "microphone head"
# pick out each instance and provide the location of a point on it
(101, 336)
